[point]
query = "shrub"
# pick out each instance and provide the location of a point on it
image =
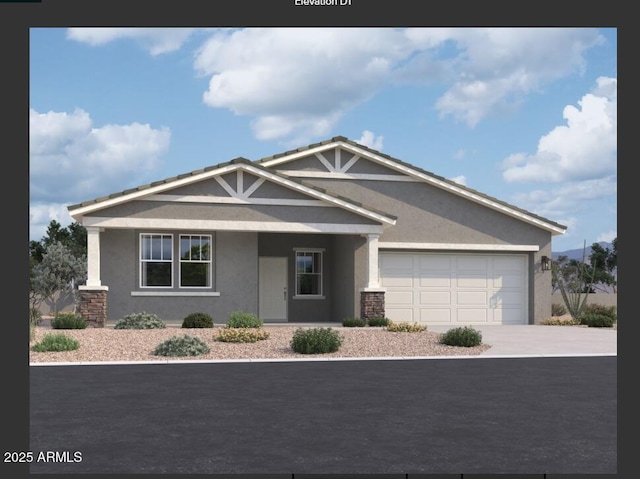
(197, 320)
(354, 322)
(609, 311)
(68, 321)
(405, 327)
(141, 320)
(181, 346)
(558, 309)
(315, 341)
(559, 322)
(379, 321)
(465, 336)
(595, 320)
(242, 335)
(56, 342)
(239, 319)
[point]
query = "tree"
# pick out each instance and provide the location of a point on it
(605, 263)
(74, 237)
(57, 276)
(575, 281)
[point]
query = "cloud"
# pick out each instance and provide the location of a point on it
(582, 149)
(41, 214)
(72, 160)
(461, 180)
(370, 140)
(156, 40)
(298, 83)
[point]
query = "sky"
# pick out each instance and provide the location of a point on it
(526, 115)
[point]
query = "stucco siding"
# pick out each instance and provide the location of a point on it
(343, 278)
(263, 213)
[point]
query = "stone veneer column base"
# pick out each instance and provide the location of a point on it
(371, 304)
(93, 307)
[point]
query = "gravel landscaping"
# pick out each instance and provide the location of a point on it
(108, 344)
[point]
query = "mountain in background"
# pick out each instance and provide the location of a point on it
(577, 253)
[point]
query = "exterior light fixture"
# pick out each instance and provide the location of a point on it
(545, 262)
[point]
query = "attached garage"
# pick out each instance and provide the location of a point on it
(456, 289)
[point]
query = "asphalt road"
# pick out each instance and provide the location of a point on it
(486, 415)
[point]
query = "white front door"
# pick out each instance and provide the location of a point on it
(272, 285)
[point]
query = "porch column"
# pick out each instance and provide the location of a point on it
(93, 295)
(372, 295)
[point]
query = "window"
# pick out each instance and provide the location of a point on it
(156, 260)
(308, 273)
(195, 261)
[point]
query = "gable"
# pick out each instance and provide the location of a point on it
(344, 159)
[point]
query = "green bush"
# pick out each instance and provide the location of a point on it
(315, 341)
(354, 322)
(68, 321)
(197, 320)
(405, 327)
(240, 319)
(379, 321)
(55, 342)
(141, 320)
(181, 346)
(609, 311)
(242, 335)
(465, 336)
(558, 309)
(595, 320)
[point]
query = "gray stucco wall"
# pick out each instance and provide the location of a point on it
(427, 214)
(235, 278)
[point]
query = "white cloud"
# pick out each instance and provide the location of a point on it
(155, 40)
(71, 160)
(298, 83)
(584, 148)
(370, 140)
(607, 236)
(41, 214)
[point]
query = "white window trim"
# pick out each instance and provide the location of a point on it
(210, 261)
(141, 261)
(321, 274)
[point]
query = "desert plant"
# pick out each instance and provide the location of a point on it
(464, 336)
(315, 341)
(240, 319)
(558, 309)
(198, 320)
(595, 320)
(242, 335)
(354, 322)
(68, 321)
(556, 321)
(141, 320)
(609, 311)
(35, 316)
(575, 289)
(56, 342)
(181, 346)
(379, 321)
(405, 327)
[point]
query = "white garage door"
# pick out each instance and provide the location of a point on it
(458, 289)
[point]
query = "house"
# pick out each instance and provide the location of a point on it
(324, 232)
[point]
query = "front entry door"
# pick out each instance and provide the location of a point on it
(272, 279)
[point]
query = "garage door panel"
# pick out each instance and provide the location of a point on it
(435, 316)
(475, 298)
(472, 281)
(435, 297)
(472, 315)
(400, 315)
(455, 288)
(471, 263)
(399, 297)
(434, 281)
(397, 279)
